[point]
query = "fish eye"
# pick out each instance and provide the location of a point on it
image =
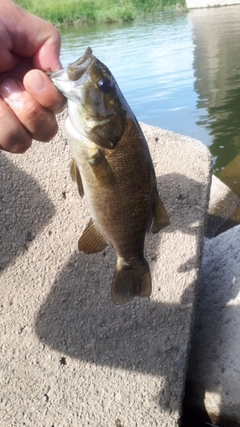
(105, 85)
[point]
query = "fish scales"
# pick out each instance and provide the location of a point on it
(113, 170)
(114, 198)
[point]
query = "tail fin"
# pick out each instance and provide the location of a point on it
(131, 280)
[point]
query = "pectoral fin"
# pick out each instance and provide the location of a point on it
(75, 175)
(95, 156)
(91, 240)
(160, 216)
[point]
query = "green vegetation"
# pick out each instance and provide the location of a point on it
(69, 11)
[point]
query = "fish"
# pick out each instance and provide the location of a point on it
(113, 169)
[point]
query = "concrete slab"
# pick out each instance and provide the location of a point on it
(222, 208)
(197, 4)
(70, 357)
(214, 368)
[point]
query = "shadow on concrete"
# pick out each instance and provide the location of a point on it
(79, 319)
(194, 415)
(24, 210)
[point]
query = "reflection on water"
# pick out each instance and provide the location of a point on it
(216, 35)
(178, 71)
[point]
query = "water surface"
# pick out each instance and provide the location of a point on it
(179, 71)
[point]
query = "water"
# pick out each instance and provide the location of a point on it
(179, 71)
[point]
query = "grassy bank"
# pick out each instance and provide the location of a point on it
(68, 11)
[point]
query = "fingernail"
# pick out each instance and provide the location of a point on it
(10, 87)
(11, 91)
(35, 81)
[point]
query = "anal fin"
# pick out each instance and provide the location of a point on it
(160, 216)
(91, 240)
(75, 175)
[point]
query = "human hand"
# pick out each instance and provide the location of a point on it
(28, 99)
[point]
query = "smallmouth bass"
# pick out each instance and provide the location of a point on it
(113, 169)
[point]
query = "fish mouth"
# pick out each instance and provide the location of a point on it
(78, 68)
(67, 79)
